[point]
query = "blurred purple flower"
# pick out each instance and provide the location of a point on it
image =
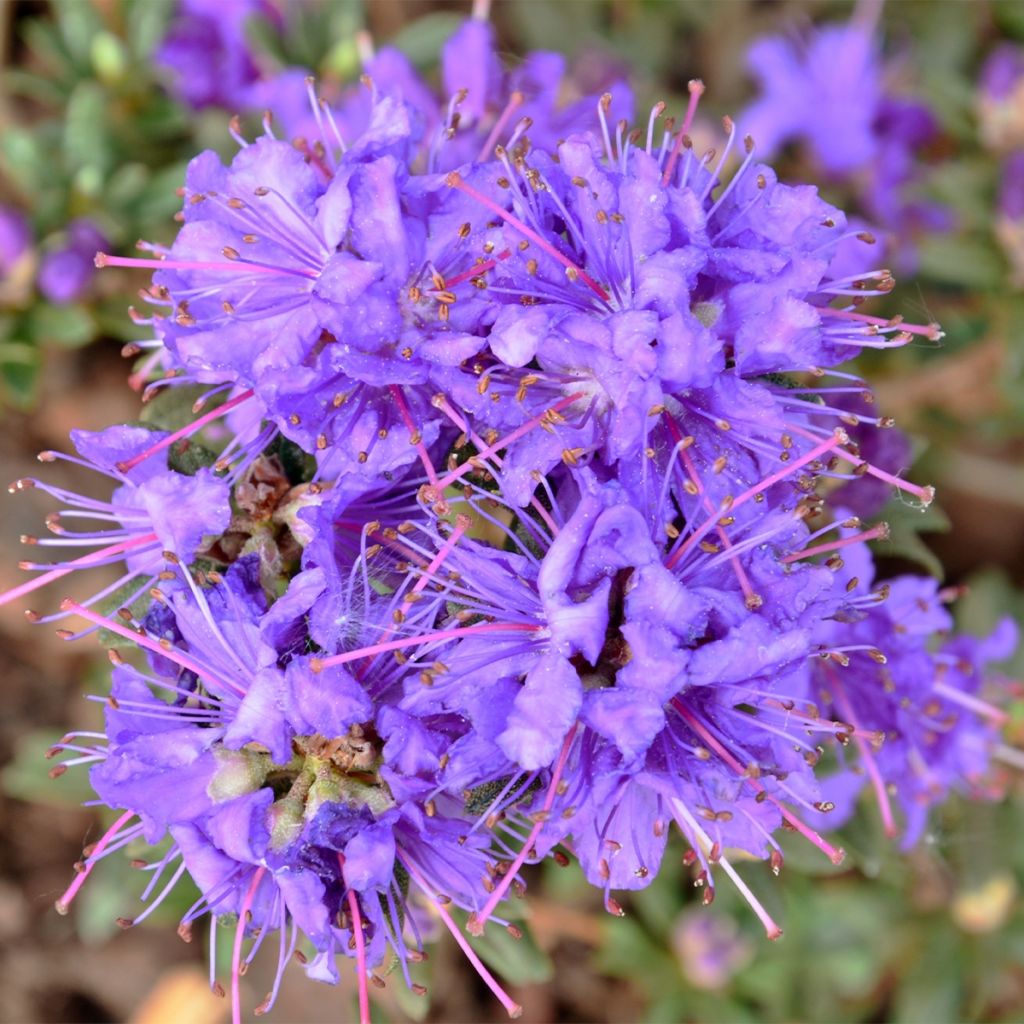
(65, 272)
(207, 53)
(824, 91)
(15, 238)
(711, 949)
(828, 92)
(1009, 220)
(1001, 97)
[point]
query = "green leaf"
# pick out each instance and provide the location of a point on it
(907, 521)
(27, 777)
(23, 158)
(411, 1004)
(628, 951)
(108, 57)
(171, 408)
(969, 262)
(931, 989)
(187, 457)
(102, 901)
(68, 326)
(519, 961)
(422, 39)
(19, 370)
(87, 141)
(1009, 14)
(146, 24)
(43, 41)
(122, 598)
(78, 24)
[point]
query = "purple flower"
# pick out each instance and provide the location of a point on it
(153, 511)
(711, 950)
(517, 530)
(289, 799)
(1001, 86)
(65, 272)
(824, 91)
(917, 724)
(206, 51)
(15, 238)
(827, 91)
(1009, 224)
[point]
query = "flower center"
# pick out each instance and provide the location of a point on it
(341, 770)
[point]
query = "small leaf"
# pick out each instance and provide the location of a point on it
(519, 961)
(907, 522)
(969, 262)
(87, 140)
(126, 596)
(68, 326)
(27, 777)
(171, 407)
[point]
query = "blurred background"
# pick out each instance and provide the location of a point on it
(96, 126)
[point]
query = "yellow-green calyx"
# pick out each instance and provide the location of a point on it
(321, 771)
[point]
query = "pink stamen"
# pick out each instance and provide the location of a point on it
(185, 431)
(835, 855)
(515, 101)
(169, 652)
(881, 530)
(414, 435)
(318, 664)
(236, 951)
(867, 757)
(78, 563)
(931, 331)
(924, 494)
(64, 902)
(475, 925)
(513, 1009)
(477, 269)
(442, 403)
(454, 180)
(504, 442)
(979, 707)
(462, 524)
(772, 930)
(838, 438)
(102, 259)
(357, 931)
(696, 88)
(691, 469)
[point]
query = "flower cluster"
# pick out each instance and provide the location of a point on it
(520, 518)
